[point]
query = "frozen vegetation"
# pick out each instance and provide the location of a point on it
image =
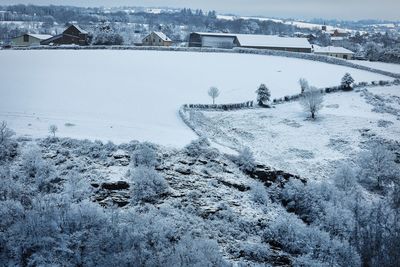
(125, 95)
(66, 202)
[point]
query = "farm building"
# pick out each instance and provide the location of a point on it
(156, 39)
(29, 39)
(72, 35)
(334, 51)
(231, 40)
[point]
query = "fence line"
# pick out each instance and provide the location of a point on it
(244, 105)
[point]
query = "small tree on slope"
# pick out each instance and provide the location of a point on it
(347, 81)
(263, 95)
(312, 101)
(303, 85)
(213, 92)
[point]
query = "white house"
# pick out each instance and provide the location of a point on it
(333, 51)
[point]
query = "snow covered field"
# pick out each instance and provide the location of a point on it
(126, 95)
(284, 138)
(392, 67)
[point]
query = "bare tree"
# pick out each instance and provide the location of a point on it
(303, 84)
(312, 101)
(213, 92)
(53, 129)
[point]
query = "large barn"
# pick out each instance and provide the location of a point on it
(231, 40)
(72, 35)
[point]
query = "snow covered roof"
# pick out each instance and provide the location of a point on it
(79, 29)
(40, 36)
(331, 49)
(272, 41)
(162, 36)
(253, 40)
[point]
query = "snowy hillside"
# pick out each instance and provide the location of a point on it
(126, 95)
(285, 138)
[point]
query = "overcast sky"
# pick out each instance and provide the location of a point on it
(340, 9)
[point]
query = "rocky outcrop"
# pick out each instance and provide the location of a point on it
(270, 176)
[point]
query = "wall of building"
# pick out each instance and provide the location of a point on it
(338, 55)
(154, 40)
(20, 41)
(289, 49)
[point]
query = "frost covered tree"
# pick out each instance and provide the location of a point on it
(53, 129)
(5, 133)
(347, 81)
(312, 100)
(7, 146)
(303, 84)
(263, 95)
(345, 178)
(377, 167)
(148, 185)
(213, 92)
(245, 160)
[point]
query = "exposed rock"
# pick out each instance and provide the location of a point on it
(269, 176)
(120, 154)
(240, 187)
(120, 185)
(184, 171)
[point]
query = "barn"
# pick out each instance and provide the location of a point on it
(231, 40)
(72, 35)
(29, 39)
(156, 39)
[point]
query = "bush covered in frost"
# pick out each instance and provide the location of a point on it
(245, 160)
(145, 156)
(148, 185)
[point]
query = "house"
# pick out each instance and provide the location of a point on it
(72, 35)
(333, 51)
(156, 39)
(29, 39)
(231, 40)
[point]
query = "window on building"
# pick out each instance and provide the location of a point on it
(26, 38)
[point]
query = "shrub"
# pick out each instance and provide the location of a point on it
(245, 160)
(259, 193)
(198, 147)
(145, 156)
(8, 147)
(148, 185)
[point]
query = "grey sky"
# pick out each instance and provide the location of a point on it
(341, 9)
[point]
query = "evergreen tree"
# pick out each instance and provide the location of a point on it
(263, 95)
(347, 81)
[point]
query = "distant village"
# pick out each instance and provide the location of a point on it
(75, 35)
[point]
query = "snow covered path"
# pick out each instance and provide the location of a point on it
(127, 95)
